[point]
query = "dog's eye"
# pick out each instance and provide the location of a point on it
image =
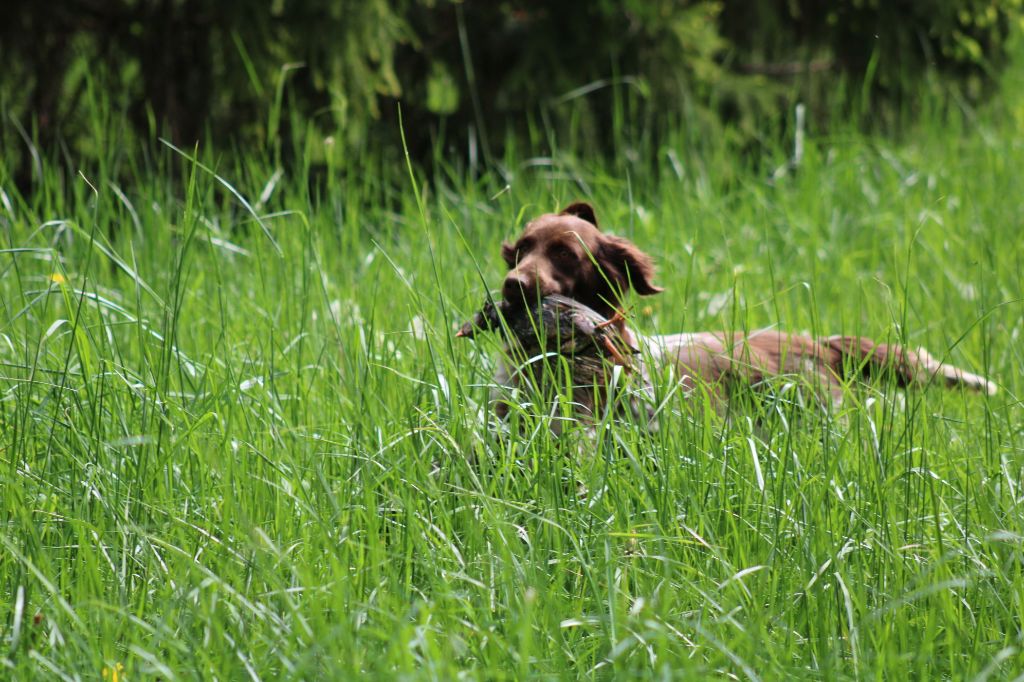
(562, 254)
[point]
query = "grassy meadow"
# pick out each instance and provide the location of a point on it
(239, 441)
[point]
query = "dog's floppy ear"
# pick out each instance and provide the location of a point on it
(508, 254)
(581, 209)
(627, 265)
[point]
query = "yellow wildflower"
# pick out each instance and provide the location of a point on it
(114, 674)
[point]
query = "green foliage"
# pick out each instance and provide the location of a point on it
(233, 73)
(191, 69)
(884, 49)
(582, 71)
(238, 441)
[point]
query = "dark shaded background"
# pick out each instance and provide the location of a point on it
(473, 75)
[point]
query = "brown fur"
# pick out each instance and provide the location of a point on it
(566, 253)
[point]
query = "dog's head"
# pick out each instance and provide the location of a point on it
(565, 253)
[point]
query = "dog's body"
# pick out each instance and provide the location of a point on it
(566, 254)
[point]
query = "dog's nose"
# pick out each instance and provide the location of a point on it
(516, 288)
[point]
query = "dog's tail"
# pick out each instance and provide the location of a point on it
(910, 367)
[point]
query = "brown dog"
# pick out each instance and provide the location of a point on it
(566, 254)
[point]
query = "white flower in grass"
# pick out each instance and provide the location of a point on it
(418, 328)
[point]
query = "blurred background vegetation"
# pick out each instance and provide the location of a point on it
(472, 77)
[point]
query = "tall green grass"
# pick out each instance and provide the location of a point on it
(238, 439)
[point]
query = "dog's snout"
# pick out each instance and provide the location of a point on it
(516, 287)
(521, 288)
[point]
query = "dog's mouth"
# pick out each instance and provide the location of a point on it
(517, 300)
(515, 305)
(520, 292)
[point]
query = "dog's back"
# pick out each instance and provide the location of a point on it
(567, 254)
